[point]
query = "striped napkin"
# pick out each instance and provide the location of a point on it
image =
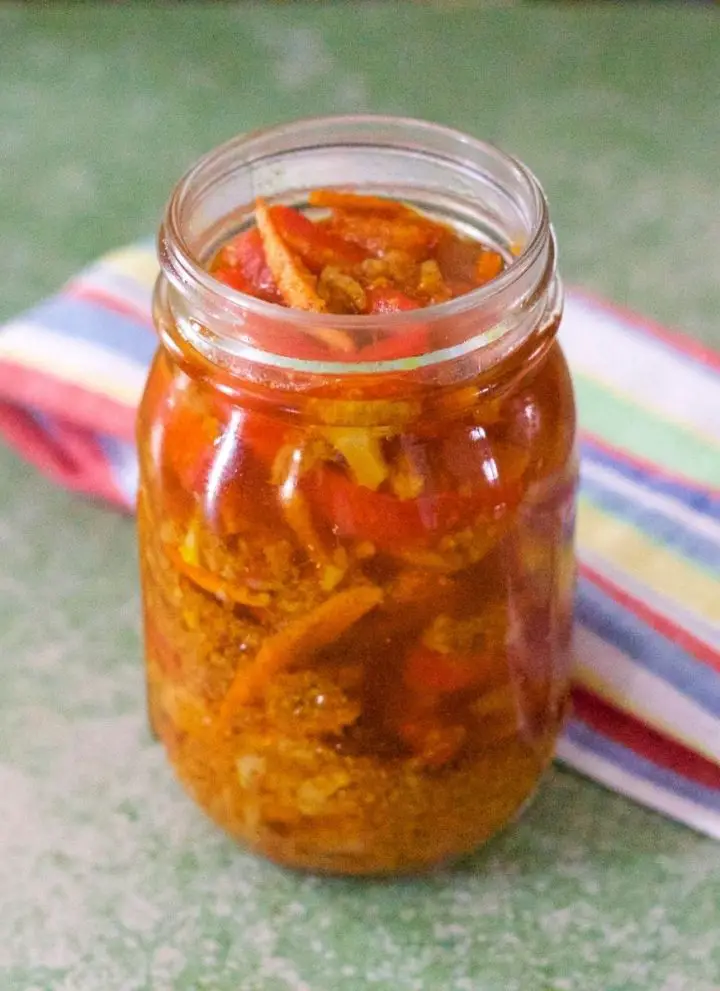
(646, 717)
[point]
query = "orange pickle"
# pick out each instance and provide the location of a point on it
(356, 508)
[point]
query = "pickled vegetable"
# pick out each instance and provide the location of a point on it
(367, 255)
(357, 618)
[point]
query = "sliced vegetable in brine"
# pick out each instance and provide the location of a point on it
(357, 254)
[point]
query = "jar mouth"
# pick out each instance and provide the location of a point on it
(452, 171)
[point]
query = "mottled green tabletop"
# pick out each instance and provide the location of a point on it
(109, 879)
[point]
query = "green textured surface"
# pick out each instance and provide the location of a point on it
(109, 880)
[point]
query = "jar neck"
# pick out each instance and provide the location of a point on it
(465, 183)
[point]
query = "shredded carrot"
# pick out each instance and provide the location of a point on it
(211, 583)
(336, 340)
(298, 517)
(298, 641)
(377, 224)
(342, 293)
(337, 199)
(488, 266)
(431, 284)
(286, 472)
(297, 284)
(413, 235)
(188, 713)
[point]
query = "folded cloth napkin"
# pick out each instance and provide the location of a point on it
(646, 714)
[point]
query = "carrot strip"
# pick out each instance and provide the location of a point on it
(380, 234)
(297, 514)
(336, 340)
(337, 199)
(296, 283)
(298, 641)
(187, 713)
(214, 585)
(488, 266)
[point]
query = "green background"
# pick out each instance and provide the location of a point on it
(109, 879)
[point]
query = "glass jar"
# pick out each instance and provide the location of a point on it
(358, 577)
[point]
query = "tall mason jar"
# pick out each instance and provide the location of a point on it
(353, 669)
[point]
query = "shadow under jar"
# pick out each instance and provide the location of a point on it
(358, 669)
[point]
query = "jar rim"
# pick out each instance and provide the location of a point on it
(183, 268)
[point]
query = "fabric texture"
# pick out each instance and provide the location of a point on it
(646, 712)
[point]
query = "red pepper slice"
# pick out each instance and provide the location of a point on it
(264, 435)
(406, 343)
(428, 672)
(410, 344)
(354, 511)
(292, 343)
(190, 439)
(389, 522)
(385, 299)
(188, 434)
(433, 741)
(233, 277)
(242, 265)
(316, 246)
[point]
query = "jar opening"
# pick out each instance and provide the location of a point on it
(465, 183)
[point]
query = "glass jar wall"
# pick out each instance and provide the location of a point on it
(358, 574)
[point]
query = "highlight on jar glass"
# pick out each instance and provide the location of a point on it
(358, 475)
